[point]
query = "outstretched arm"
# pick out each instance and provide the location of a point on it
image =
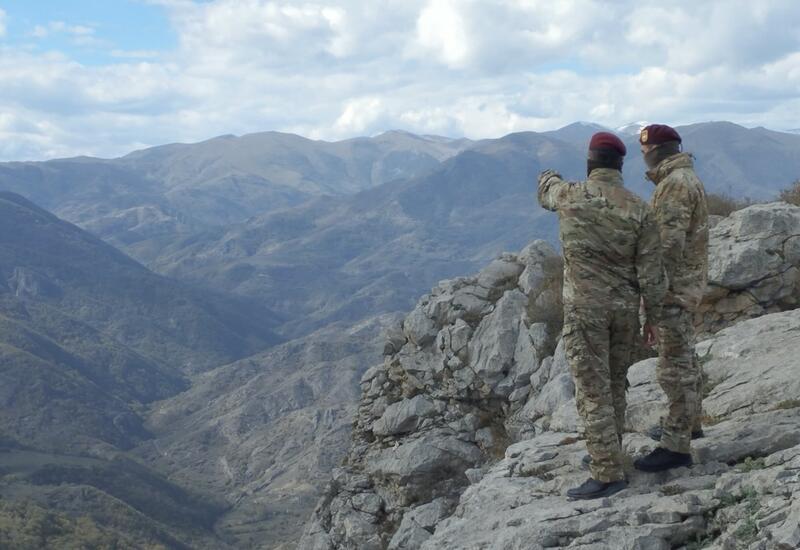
(552, 190)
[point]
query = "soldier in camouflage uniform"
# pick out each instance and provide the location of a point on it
(679, 205)
(611, 259)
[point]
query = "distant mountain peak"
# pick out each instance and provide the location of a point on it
(632, 128)
(584, 124)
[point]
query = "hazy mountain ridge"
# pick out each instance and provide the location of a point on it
(341, 258)
(177, 189)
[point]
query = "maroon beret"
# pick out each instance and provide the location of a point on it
(656, 134)
(607, 140)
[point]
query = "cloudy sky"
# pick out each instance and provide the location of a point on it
(103, 77)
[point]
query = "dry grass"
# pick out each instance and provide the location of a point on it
(724, 205)
(792, 194)
(708, 420)
(788, 404)
(671, 490)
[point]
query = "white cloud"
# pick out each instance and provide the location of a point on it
(81, 35)
(75, 30)
(358, 116)
(40, 31)
(135, 54)
(458, 67)
(441, 30)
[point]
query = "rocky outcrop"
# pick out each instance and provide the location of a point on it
(467, 436)
(754, 266)
(743, 491)
(455, 388)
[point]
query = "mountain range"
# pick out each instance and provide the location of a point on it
(196, 319)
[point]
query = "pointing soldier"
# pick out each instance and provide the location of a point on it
(611, 258)
(679, 206)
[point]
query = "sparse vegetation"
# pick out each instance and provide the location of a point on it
(672, 490)
(725, 205)
(788, 404)
(25, 525)
(709, 420)
(792, 193)
(751, 464)
(748, 531)
(700, 541)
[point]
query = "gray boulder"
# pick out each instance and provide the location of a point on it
(404, 416)
(754, 266)
(493, 346)
(502, 272)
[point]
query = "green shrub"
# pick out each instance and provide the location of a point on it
(751, 464)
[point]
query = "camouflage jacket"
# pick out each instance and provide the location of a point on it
(680, 208)
(610, 242)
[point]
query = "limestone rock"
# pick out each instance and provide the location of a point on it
(754, 266)
(403, 416)
(500, 273)
(419, 466)
(419, 328)
(535, 257)
(493, 346)
(753, 365)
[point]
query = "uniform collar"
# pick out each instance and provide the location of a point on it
(606, 175)
(666, 166)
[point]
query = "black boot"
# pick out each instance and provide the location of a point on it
(592, 488)
(656, 432)
(662, 459)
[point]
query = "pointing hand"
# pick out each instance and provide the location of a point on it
(546, 174)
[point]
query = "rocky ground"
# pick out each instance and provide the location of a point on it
(467, 437)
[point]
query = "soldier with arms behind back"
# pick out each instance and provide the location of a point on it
(611, 261)
(679, 206)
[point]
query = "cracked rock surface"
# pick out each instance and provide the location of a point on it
(754, 266)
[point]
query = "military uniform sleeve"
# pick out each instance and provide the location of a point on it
(552, 190)
(673, 211)
(650, 267)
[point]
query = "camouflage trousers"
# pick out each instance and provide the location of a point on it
(680, 376)
(599, 344)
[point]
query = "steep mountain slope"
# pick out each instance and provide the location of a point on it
(47, 262)
(264, 432)
(89, 337)
(342, 259)
(171, 190)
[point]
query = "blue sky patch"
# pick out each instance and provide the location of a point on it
(92, 32)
